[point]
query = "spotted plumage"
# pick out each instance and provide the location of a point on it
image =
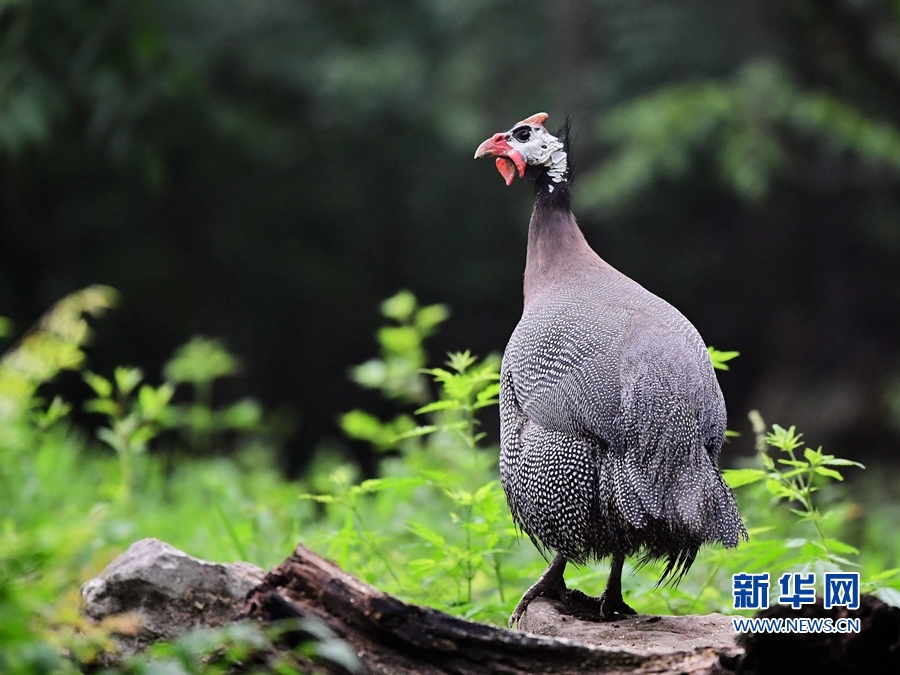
(611, 418)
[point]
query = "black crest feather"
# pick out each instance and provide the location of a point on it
(548, 192)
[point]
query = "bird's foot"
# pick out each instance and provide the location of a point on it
(612, 607)
(550, 585)
(604, 608)
(544, 588)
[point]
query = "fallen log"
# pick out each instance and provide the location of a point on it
(169, 592)
(392, 637)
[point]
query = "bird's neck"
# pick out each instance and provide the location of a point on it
(557, 249)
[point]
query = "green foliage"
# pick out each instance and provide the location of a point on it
(793, 481)
(744, 124)
(199, 363)
(64, 510)
(433, 529)
(398, 372)
(720, 359)
(216, 651)
(54, 344)
(133, 420)
(138, 415)
(470, 539)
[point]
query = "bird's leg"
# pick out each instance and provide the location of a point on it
(611, 601)
(550, 585)
(609, 605)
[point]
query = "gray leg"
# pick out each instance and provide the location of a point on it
(611, 601)
(608, 606)
(550, 585)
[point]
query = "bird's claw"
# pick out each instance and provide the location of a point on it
(610, 607)
(544, 588)
(605, 608)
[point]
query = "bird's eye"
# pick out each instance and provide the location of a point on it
(522, 134)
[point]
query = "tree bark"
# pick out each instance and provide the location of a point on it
(392, 637)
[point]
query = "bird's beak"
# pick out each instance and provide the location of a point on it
(508, 159)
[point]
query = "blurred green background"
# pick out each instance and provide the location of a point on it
(267, 172)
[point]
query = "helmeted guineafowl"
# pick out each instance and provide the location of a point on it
(611, 418)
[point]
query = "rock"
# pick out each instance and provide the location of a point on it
(647, 634)
(169, 591)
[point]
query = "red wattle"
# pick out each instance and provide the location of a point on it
(507, 169)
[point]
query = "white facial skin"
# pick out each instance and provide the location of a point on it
(539, 148)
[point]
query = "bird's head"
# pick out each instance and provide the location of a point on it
(529, 150)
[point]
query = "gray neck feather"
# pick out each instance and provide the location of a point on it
(557, 250)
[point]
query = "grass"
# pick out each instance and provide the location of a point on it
(433, 529)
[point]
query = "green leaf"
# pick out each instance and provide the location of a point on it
(831, 473)
(836, 546)
(372, 374)
(482, 492)
(399, 307)
(489, 392)
(738, 477)
(55, 412)
(813, 456)
(112, 439)
(426, 533)
(200, 361)
(104, 406)
(98, 383)
(837, 461)
(428, 318)
(784, 439)
(781, 490)
(842, 561)
(361, 425)
(153, 402)
(373, 485)
(794, 462)
(886, 574)
(439, 405)
(418, 431)
(245, 415)
(127, 379)
(399, 339)
(720, 359)
(461, 361)
(889, 595)
(322, 499)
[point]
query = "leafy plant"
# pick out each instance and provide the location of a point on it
(798, 482)
(448, 547)
(434, 528)
(744, 124)
(451, 557)
(62, 515)
(133, 421)
(137, 413)
(213, 651)
(794, 479)
(198, 364)
(720, 359)
(398, 371)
